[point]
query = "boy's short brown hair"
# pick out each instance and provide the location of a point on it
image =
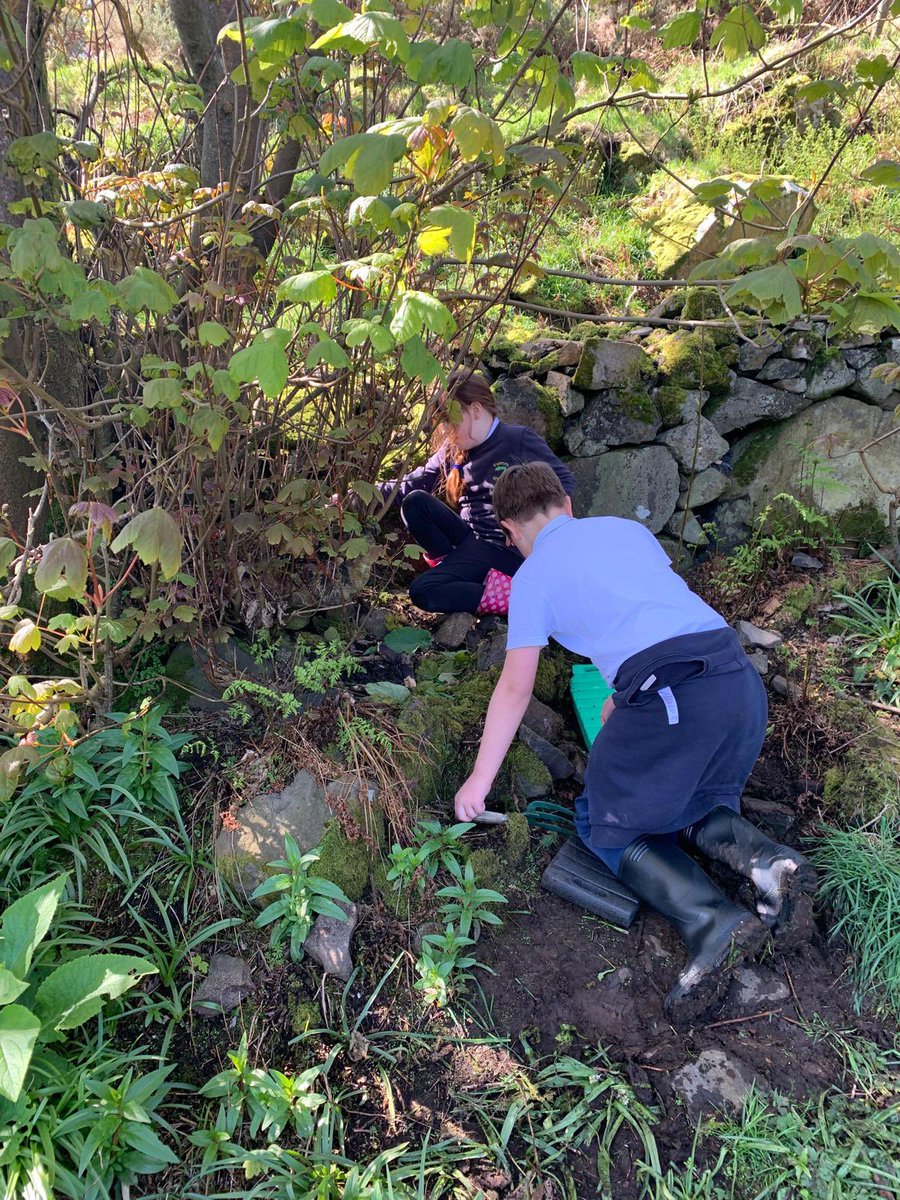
(522, 492)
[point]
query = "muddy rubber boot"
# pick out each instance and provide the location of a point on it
(718, 933)
(784, 880)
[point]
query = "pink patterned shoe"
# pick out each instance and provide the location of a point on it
(433, 562)
(495, 598)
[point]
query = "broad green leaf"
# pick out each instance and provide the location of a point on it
(884, 173)
(875, 72)
(682, 30)
(144, 289)
(715, 191)
(358, 330)
(634, 21)
(451, 62)
(821, 88)
(328, 13)
(155, 538)
(880, 257)
(419, 363)
(329, 351)
(365, 30)
(447, 226)
(279, 38)
(588, 68)
(476, 134)
(19, 1031)
(774, 291)
(211, 424)
(355, 548)
(25, 924)
(211, 333)
(789, 12)
(12, 763)
(62, 571)
(418, 311)
(310, 287)
(78, 990)
(393, 693)
(34, 249)
(25, 638)
(738, 33)
(367, 159)
(91, 303)
(8, 551)
(871, 312)
(20, 685)
(371, 210)
(10, 987)
(86, 214)
(162, 393)
(407, 639)
(264, 360)
(750, 252)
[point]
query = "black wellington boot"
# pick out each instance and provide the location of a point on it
(781, 876)
(718, 933)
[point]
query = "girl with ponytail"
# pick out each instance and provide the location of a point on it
(470, 559)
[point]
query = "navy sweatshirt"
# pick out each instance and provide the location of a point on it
(507, 446)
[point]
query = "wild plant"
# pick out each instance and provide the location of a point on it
(269, 700)
(325, 668)
(872, 628)
(301, 898)
(433, 847)
(465, 903)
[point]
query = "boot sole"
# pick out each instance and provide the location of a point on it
(747, 940)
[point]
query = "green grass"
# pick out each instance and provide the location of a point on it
(872, 627)
(859, 876)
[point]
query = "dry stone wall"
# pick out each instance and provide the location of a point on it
(678, 429)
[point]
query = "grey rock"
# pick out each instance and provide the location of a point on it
(759, 639)
(754, 355)
(568, 354)
(691, 405)
(451, 633)
(705, 487)
(732, 519)
(777, 369)
(876, 391)
(796, 386)
(680, 553)
(375, 624)
(491, 652)
(543, 720)
(606, 422)
(749, 401)
(807, 562)
(832, 377)
(570, 401)
(606, 363)
(786, 689)
(715, 1081)
(860, 359)
(537, 349)
(301, 810)
(760, 662)
(329, 940)
(828, 433)
(521, 401)
(641, 483)
(685, 526)
(227, 983)
(695, 445)
(642, 331)
(755, 988)
(554, 760)
(855, 340)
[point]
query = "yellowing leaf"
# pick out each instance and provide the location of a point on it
(155, 538)
(62, 571)
(25, 638)
(451, 227)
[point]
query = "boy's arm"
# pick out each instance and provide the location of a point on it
(504, 716)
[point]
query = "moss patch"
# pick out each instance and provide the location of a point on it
(525, 770)
(304, 1014)
(518, 838)
(754, 450)
(669, 401)
(487, 867)
(863, 524)
(690, 360)
(551, 684)
(637, 403)
(798, 599)
(344, 861)
(549, 407)
(866, 783)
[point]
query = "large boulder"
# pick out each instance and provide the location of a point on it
(641, 483)
(613, 418)
(606, 363)
(749, 401)
(816, 453)
(521, 401)
(684, 231)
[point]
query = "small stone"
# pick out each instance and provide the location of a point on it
(685, 526)
(806, 562)
(375, 624)
(775, 819)
(777, 369)
(858, 359)
(642, 331)
(568, 354)
(782, 687)
(796, 387)
(715, 1081)
(696, 445)
(451, 633)
(760, 662)
(554, 760)
(755, 988)
(329, 942)
(607, 363)
(750, 401)
(492, 651)
(542, 720)
(762, 639)
(832, 377)
(570, 400)
(705, 487)
(227, 983)
(754, 355)
(802, 346)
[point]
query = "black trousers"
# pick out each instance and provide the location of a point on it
(456, 584)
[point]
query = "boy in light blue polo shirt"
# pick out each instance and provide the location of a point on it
(681, 732)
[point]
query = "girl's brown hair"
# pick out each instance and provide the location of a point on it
(464, 388)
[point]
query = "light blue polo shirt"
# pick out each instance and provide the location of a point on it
(604, 588)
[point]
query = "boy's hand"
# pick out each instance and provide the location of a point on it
(469, 801)
(607, 710)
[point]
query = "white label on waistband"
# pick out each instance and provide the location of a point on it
(668, 699)
(648, 682)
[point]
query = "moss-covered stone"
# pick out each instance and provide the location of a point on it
(486, 866)
(864, 525)
(637, 403)
(669, 402)
(518, 838)
(806, 341)
(549, 407)
(752, 453)
(343, 860)
(866, 783)
(528, 775)
(690, 360)
(551, 684)
(797, 601)
(304, 1014)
